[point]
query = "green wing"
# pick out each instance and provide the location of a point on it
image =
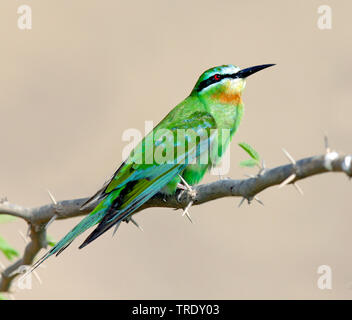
(135, 183)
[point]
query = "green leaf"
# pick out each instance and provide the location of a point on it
(50, 240)
(252, 153)
(7, 250)
(6, 218)
(249, 163)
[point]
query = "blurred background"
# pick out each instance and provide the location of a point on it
(88, 70)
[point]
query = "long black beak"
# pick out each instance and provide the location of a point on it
(251, 70)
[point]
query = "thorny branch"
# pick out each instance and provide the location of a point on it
(37, 218)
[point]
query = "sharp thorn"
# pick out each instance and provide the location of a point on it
(185, 183)
(52, 197)
(136, 224)
(189, 217)
(293, 161)
(241, 202)
(116, 227)
(23, 236)
(36, 275)
(287, 180)
(258, 200)
(53, 218)
(326, 143)
(185, 211)
(298, 188)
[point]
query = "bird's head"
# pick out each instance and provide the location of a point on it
(225, 83)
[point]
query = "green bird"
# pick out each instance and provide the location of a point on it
(178, 152)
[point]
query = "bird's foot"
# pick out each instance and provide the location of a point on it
(185, 187)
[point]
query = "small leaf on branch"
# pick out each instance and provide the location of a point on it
(252, 153)
(50, 241)
(7, 250)
(249, 163)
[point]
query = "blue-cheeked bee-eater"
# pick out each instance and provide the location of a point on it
(214, 105)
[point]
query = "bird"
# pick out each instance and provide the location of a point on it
(213, 111)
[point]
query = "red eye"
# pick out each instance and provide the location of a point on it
(217, 77)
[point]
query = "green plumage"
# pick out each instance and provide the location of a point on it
(212, 111)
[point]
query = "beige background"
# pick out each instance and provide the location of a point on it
(88, 70)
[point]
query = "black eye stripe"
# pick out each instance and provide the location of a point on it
(213, 79)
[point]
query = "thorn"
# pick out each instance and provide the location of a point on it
(56, 207)
(258, 200)
(249, 176)
(136, 224)
(326, 143)
(24, 238)
(293, 161)
(52, 197)
(262, 168)
(185, 211)
(186, 184)
(287, 180)
(191, 192)
(116, 227)
(36, 275)
(298, 188)
(53, 218)
(241, 202)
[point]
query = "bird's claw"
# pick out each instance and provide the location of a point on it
(185, 187)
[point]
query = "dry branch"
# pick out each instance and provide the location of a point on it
(38, 217)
